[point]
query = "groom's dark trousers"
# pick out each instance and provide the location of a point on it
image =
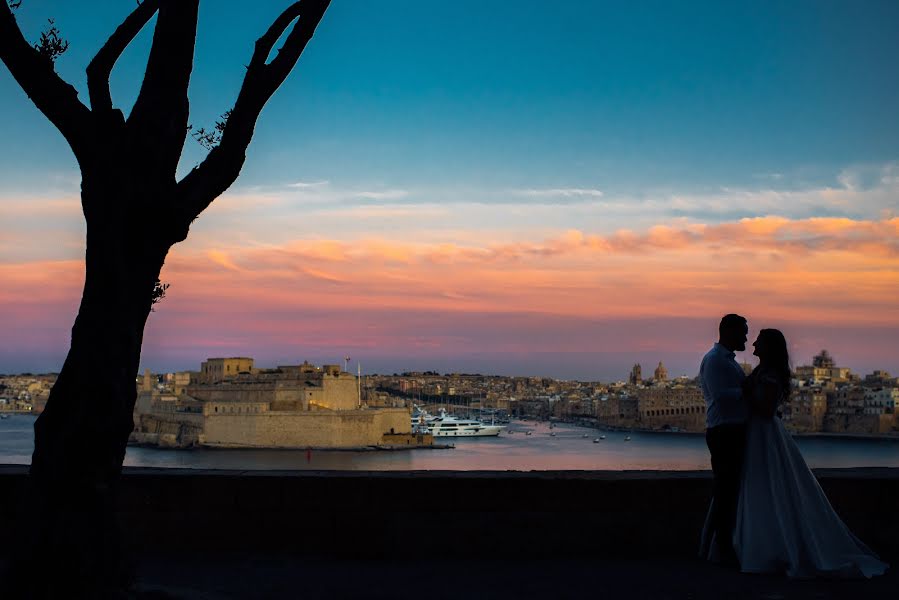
(727, 445)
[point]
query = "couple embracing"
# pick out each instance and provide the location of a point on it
(768, 513)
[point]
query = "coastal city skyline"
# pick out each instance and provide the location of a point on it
(354, 366)
(521, 193)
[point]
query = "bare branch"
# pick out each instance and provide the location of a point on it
(100, 67)
(34, 72)
(158, 121)
(223, 164)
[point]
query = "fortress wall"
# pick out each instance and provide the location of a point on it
(339, 393)
(315, 429)
(166, 421)
(174, 430)
(247, 393)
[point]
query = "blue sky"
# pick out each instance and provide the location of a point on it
(625, 97)
(595, 146)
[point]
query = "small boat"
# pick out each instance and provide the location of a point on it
(627, 438)
(596, 441)
(602, 437)
(4, 416)
(552, 434)
(585, 436)
(527, 433)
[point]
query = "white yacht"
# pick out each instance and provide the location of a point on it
(449, 426)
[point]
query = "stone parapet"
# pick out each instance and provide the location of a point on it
(494, 515)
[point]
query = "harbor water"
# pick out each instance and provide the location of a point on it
(562, 447)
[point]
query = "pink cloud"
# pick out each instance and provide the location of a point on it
(332, 293)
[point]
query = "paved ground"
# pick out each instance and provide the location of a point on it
(275, 578)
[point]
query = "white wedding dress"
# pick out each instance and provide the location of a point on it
(785, 524)
(784, 521)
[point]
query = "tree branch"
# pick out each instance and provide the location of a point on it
(158, 121)
(100, 67)
(51, 95)
(223, 164)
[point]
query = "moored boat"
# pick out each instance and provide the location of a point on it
(448, 426)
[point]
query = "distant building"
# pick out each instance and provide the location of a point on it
(881, 401)
(848, 400)
(213, 370)
(806, 409)
(879, 378)
(669, 407)
(823, 370)
(636, 377)
(823, 360)
(660, 374)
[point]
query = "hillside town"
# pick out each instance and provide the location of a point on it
(826, 398)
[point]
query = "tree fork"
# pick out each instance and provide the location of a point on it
(135, 211)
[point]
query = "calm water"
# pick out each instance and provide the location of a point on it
(516, 451)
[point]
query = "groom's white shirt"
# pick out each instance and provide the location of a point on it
(721, 379)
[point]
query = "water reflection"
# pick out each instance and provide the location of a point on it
(567, 449)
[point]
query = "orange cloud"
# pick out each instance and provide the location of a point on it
(221, 259)
(811, 271)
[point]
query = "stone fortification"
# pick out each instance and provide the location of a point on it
(346, 429)
(288, 407)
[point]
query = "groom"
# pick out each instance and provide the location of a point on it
(726, 415)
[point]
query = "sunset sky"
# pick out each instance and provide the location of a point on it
(549, 188)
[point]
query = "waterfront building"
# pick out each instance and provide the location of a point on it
(669, 407)
(846, 400)
(806, 409)
(855, 409)
(880, 401)
(618, 409)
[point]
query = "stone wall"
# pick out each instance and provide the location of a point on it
(168, 430)
(316, 429)
(339, 392)
(491, 515)
(858, 424)
(274, 391)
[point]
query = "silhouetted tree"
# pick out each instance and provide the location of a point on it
(135, 209)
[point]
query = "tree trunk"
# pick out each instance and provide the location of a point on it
(82, 433)
(135, 211)
(81, 437)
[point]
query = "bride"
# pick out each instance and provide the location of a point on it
(784, 522)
